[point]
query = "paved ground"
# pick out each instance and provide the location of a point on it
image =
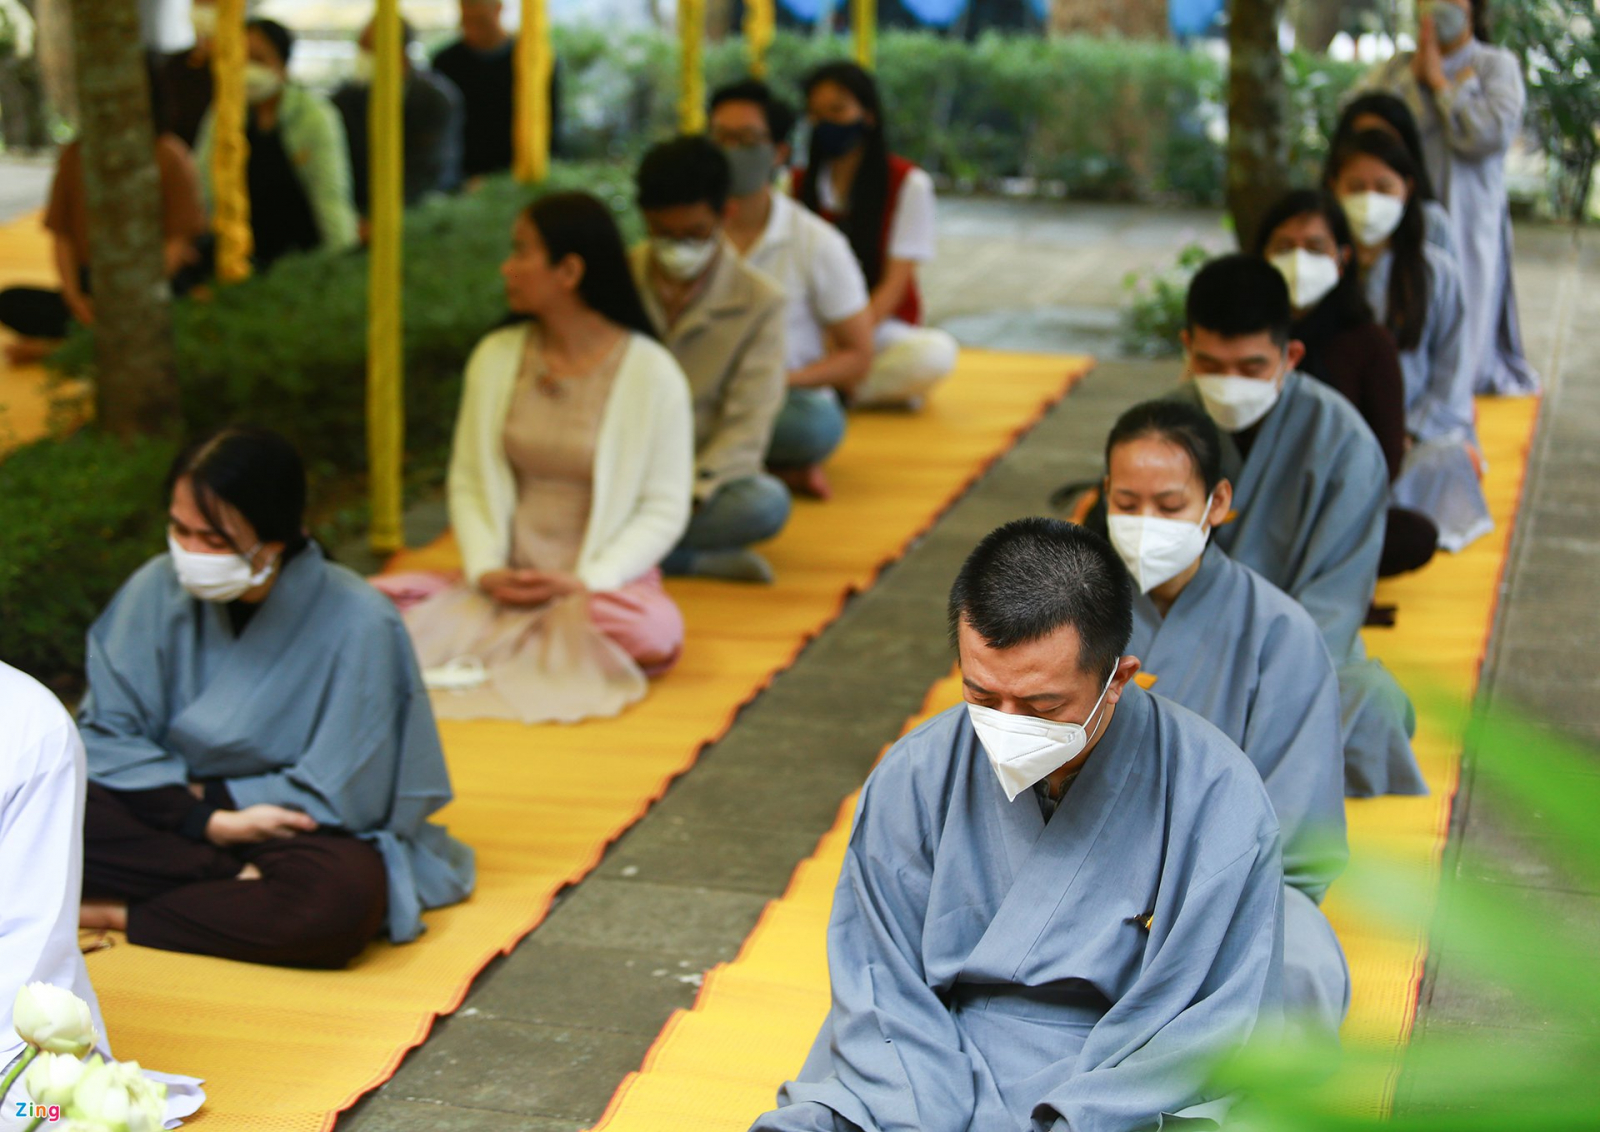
(549, 1031)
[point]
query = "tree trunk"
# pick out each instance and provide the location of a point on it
(719, 20)
(1258, 143)
(1135, 19)
(137, 389)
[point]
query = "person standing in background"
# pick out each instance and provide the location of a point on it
(482, 66)
(186, 75)
(1468, 97)
(431, 125)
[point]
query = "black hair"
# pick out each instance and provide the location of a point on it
(1408, 273)
(281, 38)
(1177, 422)
(778, 113)
(862, 222)
(1482, 21)
(256, 472)
(575, 223)
(1347, 300)
(1237, 295)
(1393, 110)
(1030, 577)
(689, 169)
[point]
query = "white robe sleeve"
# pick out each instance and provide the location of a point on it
(1483, 112)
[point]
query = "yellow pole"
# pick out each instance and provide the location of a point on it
(865, 25)
(531, 99)
(760, 21)
(230, 151)
(385, 361)
(691, 63)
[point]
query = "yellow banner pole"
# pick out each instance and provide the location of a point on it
(691, 64)
(385, 359)
(865, 26)
(530, 161)
(760, 23)
(230, 151)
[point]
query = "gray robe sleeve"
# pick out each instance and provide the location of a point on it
(1300, 754)
(1445, 407)
(1340, 564)
(1213, 967)
(897, 1059)
(1482, 113)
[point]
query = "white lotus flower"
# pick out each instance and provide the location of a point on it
(53, 1020)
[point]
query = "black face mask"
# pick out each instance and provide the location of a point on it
(835, 139)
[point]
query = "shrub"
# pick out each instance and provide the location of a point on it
(79, 516)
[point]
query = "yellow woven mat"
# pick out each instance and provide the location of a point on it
(287, 1050)
(27, 392)
(715, 1068)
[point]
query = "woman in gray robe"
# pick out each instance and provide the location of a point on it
(261, 753)
(1415, 291)
(1222, 641)
(1468, 98)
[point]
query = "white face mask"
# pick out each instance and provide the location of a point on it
(365, 68)
(1156, 550)
(1236, 402)
(683, 260)
(261, 82)
(204, 19)
(1024, 749)
(1449, 21)
(216, 577)
(1373, 216)
(1310, 276)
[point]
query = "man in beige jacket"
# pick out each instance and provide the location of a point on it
(724, 322)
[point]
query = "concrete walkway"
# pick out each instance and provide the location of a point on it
(548, 1032)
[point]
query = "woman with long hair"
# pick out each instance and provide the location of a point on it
(262, 758)
(1415, 292)
(570, 480)
(884, 205)
(1306, 237)
(1380, 110)
(1468, 98)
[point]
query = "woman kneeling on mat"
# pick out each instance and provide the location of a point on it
(570, 481)
(262, 757)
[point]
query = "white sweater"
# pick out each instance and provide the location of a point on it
(643, 464)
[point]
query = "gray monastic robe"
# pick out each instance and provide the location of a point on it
(1243, 654)
(1466, 131)
(1438, 477)
(991, 970)
(318, 706)
(1310, 504)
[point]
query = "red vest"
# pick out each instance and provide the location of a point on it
(910, 308)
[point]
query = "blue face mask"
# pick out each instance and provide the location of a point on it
(1449, 21)
(835, 139)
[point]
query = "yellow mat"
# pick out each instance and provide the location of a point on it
(287, 1050)
(716, 1067)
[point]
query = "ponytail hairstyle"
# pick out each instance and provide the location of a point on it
(1347, 298)
(1408, 275)
(1393, 110)
(578, 224)
(1177, 422)
(256, 472)
(869, 192)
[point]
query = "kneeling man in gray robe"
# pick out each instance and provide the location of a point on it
(1061, 899)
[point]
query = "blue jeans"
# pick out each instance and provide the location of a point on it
(809, 427)
(740, 512)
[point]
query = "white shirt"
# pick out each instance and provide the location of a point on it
(911, 235)
(811, 260)
(42, 783)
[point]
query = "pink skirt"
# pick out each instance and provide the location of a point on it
(573, 658)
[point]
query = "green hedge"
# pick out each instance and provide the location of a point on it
(1090, 118)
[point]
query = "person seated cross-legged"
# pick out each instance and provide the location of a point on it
(262, 757)
(723, 320)
(1062, 899)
